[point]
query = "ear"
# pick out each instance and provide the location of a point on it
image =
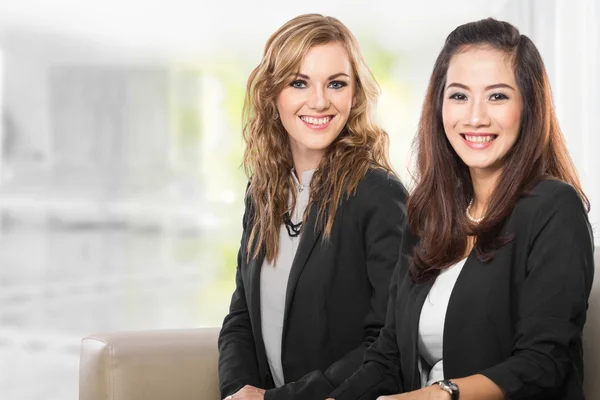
(354, 100)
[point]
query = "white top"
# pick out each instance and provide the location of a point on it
(431, 325)
(274, 280)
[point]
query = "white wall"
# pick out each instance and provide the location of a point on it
(567, 34)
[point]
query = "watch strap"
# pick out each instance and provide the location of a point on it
(450, 387)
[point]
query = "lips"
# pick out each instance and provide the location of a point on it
(478, 140)
(317, 122)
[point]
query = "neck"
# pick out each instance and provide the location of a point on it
(305, 162)
(484, 183)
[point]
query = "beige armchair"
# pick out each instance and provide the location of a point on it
(150, 365)
(182, 364)
(591, 335)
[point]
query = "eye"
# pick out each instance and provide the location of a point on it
(298, 84)
(458, 96)
(498, 97)
(337, 84)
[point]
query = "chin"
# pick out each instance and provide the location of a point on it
(318, 146)
(484, 166)
(317, 149)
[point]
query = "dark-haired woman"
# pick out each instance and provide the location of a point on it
(324, 218)
(490, 295)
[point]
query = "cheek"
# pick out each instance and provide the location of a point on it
(287, 103)
(510, 119)
(515, 120)
(343, 102)
(449, 117)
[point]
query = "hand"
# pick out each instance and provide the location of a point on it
(248, 393)
(433, 392)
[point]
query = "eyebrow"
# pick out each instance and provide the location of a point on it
(330, 78)
(495, 86)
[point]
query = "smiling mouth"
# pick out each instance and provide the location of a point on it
(317, 121)
(485, 138)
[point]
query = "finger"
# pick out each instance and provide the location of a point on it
(248, 395)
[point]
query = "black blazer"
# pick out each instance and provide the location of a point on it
(336, 297)
(517, 320)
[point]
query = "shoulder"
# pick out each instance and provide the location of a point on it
(381, 194)
(248, 202)
(380, 182)
(551, 203)
(248, 205)
(550, 195)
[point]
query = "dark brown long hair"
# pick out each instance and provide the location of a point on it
(361, 145)
(436, 207)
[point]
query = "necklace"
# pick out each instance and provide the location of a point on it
(470, 217)
(292, 229)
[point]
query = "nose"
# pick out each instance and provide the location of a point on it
(479, 115)
(318, 99)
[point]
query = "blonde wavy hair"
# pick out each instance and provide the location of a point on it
(361, 145)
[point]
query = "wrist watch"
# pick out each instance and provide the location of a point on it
(450, 387)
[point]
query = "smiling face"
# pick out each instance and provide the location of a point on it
(315, 105)
(482, 108)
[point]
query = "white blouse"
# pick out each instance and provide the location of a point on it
(431, 325)
(274, 280)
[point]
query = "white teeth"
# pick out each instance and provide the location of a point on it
(316, 121)
(479, 139)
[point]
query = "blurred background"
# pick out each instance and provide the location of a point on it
(121, 192)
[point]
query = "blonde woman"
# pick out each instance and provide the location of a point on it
(323, 222)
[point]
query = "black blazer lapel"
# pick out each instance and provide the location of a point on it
(310, 235)
(467, 313)
(253, 269)
(408, 335)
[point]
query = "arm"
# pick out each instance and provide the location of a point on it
(380, 371)
(238, 365)
(382, 211)
(553, 301)
(474, 387)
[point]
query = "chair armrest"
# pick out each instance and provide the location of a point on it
(591, 332)
(150, 365)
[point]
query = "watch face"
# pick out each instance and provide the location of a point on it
(449, 385)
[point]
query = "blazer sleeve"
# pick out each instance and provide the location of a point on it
(238, 365)
(381, 204)
(552, 301)
(380, 371)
